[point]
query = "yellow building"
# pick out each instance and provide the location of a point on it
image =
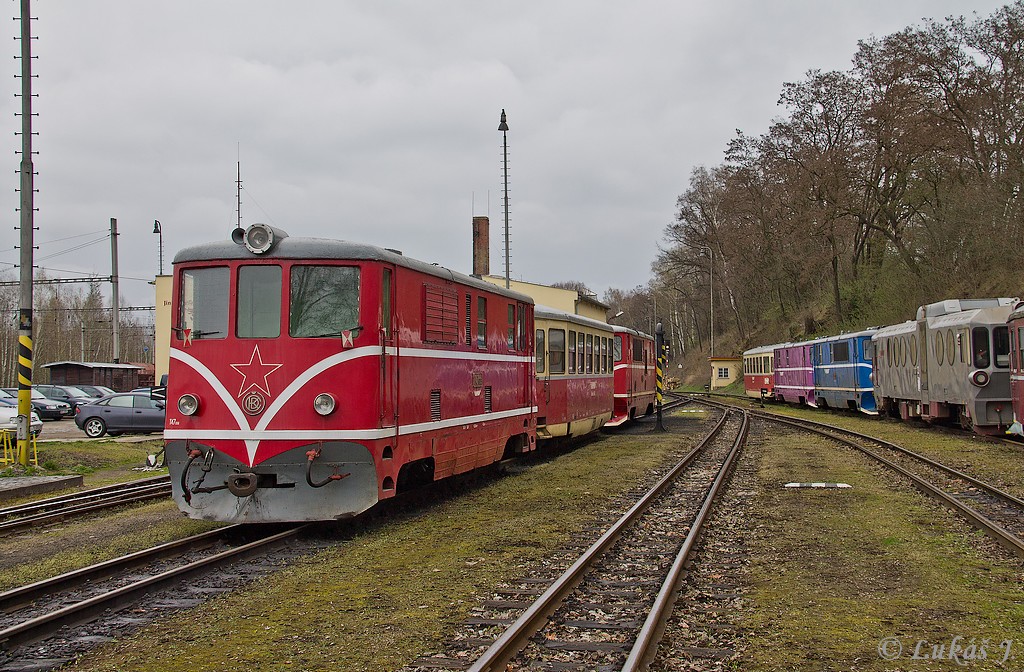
(567, 300)
(725, 370)
(162, 346)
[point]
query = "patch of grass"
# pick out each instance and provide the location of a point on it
(837, 571)
(391, 594)
(996, 462)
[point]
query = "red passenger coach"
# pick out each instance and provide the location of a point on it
(574, 373)
(635, 377)
(758, 378)
(1015, 324)
(311, 378)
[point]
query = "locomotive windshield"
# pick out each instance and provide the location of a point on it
(204, 303)
(324, 300)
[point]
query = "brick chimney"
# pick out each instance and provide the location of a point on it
(481, 246)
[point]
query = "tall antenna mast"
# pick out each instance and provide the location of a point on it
(238, 194)
(503, 127)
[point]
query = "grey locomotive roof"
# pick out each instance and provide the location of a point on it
(548, 313)
(326, 248)
(957, 305)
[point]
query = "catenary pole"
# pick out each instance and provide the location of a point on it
(27, 223)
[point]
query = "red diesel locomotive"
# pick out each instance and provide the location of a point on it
(635, 376)
(311, 378)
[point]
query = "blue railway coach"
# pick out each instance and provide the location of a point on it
(842, 372)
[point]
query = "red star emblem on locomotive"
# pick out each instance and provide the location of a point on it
(255, 373)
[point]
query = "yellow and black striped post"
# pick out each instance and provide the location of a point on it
(659, 369)
(24, 386)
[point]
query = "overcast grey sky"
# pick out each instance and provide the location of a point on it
(377, 121)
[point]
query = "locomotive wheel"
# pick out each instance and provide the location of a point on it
(95, 428)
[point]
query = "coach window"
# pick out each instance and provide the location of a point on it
(938, 347)
(538, 345)
(203, 311)
(556, 350)
(481, 322)
(590, 353)
(950, 348)
(1001, 346)
(259, 302)
(913, 349)
(511, 326)
(580, 352)
(604, 355)
(572, 351)
(323, 301)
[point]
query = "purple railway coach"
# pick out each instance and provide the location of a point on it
(794, 373)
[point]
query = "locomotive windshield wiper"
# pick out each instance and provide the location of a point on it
(354, 331)
(195, 333)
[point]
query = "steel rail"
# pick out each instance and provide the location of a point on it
(17, 597)
(646, 644)
(516, 636)
(40, 627)
(116, 499)
(1004, 537)
(82, 495)
(990, 489)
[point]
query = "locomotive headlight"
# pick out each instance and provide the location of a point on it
(980, 378)
(324, 404)
(259, 238)
(188, 404)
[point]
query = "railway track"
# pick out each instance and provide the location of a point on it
(55, 509)
(998, 513)
(608, 609)
(41, 610)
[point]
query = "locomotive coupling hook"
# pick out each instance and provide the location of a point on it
(242, 485)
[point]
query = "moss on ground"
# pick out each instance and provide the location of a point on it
(835, 572)
(393, 593)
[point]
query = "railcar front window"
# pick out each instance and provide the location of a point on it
(259, 302)
(323, 301)
(203, 308)
(1001, 346)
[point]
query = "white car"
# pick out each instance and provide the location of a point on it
(9, 421)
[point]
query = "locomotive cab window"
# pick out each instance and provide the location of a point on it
(203, 309)
(617, 349)
(259, 302)
(1001, 346)
(323, 301)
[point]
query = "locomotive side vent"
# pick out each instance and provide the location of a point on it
(435, 405)
(487, 399)
(469, 322)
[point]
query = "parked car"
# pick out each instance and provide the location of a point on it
(66, 393)
(95, 391)
(9, 418)
(119, 413)
(48, 409)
